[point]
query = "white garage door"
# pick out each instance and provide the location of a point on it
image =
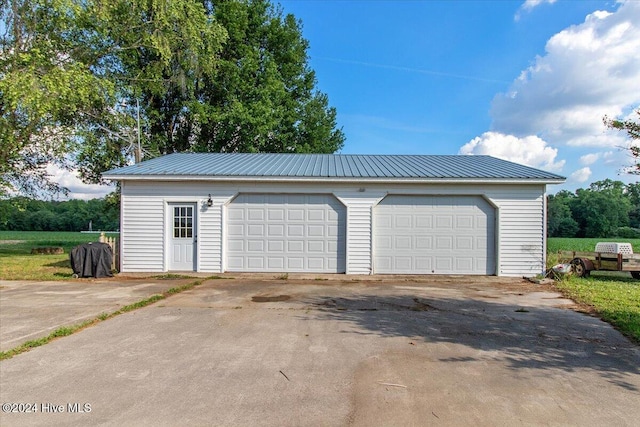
(286, 233)
(434, 235)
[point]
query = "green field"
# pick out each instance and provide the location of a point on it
(555, 244)
(17, 262)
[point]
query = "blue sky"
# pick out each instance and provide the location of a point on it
(527, 81)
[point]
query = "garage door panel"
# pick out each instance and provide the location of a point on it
(255, 262)
(403, 221)
(315, 247)
(295, 263)
(255, 246)
(296, 246)
(464, 265)
(315, 231)
(403, 263)
(424, 221)
(236, 230)
(422, 264)
(304, 233)
(276, 214)
(295, 214)
(384, 263)
(444, 264)
(464, 222)
(443, 222)
(275, 230)
(384, 243)
(383, 221)
(255, 230)
(444, 243)
(276, 263)
(314, 264)
(275, 246)
(256, 214)
(434, 234)
(295, 230)
(464, 243)
(402, 242)
(236, 263)
(315, 215)
(479, 263)
(236, 246)
(423, 242)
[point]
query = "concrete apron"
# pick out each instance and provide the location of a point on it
(276, 352)
(31, 310)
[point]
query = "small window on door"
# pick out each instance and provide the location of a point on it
(183, 222)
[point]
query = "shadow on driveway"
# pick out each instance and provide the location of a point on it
(526, 336)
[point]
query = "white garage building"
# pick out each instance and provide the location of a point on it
(327, 213)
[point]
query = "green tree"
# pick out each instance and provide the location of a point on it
(560, 222)
(633, 131)
(44, 86)
(633, 194)
(65, 67)
(263, 97)
(601, 209)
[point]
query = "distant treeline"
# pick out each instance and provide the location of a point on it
(606, 209)
(25, 214)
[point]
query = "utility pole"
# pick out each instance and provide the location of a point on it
(138, 151)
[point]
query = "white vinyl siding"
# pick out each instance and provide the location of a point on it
(359, 230)
(210, 238)
(141, 233)
(521, 233)
(519, 210)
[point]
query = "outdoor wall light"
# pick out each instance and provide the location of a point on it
(209, 201)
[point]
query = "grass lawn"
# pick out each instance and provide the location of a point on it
(615, 299)
(614, 296)
(17, 262)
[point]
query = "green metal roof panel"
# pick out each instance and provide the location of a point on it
(330, 166)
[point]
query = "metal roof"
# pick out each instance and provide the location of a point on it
(336, 166)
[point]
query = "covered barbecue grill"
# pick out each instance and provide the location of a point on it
(91, 260)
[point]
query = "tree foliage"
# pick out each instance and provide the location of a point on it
(227, 75)
(606, 209)
(262, 99)
(26, 214)
(633, 131)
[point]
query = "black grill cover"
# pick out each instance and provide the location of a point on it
(91, 260)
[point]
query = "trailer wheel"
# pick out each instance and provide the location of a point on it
(579, 268)
(635, 274)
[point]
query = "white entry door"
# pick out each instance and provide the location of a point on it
(182, 237)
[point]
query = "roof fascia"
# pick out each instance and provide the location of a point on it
(355, 180)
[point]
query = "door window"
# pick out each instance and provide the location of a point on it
(182, 222)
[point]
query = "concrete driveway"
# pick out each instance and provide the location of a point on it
(443, 351)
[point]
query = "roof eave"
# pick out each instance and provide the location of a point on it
(359, 180)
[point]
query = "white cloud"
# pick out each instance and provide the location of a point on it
(77, 189)
(589, 159)
(588, 71)
(529, 5)
(580, 176)
(530, 150)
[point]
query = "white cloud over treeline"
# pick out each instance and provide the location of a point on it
(587, 71)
